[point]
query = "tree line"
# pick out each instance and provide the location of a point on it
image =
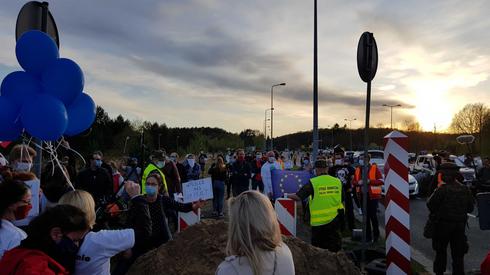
(119, 136)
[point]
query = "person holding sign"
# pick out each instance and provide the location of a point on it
(325, 195)
(157, 204)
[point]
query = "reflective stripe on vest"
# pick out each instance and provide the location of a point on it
(327, 199)
(150, 168)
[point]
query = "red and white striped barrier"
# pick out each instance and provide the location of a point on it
(397, 214)
(188, 219)
(286, 214)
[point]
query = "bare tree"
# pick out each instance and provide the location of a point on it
(470, 120)
(412, 125)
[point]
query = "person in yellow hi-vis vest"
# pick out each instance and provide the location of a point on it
(156, 165)
(325, 202)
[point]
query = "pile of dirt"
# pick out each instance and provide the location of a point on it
(201, 248)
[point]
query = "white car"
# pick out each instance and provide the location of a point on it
(377, 156)
(413, 186)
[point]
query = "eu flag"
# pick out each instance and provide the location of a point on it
(284, 181)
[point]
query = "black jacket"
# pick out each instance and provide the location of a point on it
(160, 232)
(450, 203)
(240, 173)
(98, 183)
(217, 174)
(139, 220)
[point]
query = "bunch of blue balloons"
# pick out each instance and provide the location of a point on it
(47, 98)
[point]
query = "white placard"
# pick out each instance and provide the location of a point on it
(34, 185)
(195, 190)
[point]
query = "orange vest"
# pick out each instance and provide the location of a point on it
(374, 191)
(439, 180)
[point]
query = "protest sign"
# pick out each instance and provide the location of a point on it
(195, 190)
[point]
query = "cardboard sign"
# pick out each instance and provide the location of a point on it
(34, 185)
(195, 190)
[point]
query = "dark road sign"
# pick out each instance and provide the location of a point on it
(36, 16)
(367, 57)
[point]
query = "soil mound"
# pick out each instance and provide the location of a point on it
(201, 248)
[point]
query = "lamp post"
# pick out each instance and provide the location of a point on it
(272, 112)
(350, 129)
(315, 84)
(391, 110)
(125, 143)
(265, 127)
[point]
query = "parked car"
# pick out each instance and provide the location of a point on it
(413, 186)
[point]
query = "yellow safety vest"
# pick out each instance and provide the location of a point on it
(326, 201)
(150, 168)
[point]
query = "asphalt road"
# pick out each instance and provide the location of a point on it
(479, 240)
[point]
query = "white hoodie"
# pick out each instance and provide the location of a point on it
(265, 172)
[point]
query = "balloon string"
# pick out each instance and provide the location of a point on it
(64, 173)
(77, 153)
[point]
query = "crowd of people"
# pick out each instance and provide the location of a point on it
(71, 230)
(110, 212)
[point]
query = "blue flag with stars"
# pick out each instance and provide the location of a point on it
(284, 181)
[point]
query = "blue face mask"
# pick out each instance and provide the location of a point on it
(98, 163)
(151, 190)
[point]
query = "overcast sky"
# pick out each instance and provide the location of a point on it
(212, 62)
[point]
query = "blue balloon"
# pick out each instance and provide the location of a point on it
(20, 87)
(35, 50)
(44, 117)
(81, 115)
(63, 79)
(10, 125)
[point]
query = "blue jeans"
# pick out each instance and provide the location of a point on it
(218, 195)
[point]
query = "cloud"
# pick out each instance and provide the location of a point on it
(208, 62)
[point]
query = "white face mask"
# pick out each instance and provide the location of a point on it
(272, 159)
(338, 162)
(361, 162)
(160, 164)
(23, 167)
(258, 157)
(191, 162)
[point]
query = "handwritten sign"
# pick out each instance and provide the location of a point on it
(195, 190)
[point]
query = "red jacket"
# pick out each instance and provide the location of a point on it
(375, 181)
(485, 266)
(24, 261)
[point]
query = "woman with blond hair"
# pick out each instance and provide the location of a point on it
(97, 248)
(254, 240)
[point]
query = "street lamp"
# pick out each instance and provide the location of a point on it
(272, 110)
(125, 143)
(350, 129)
(391, 109)
(265, 129)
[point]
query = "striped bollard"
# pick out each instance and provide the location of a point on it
(397, 214)
(188, 219)
(286, 215)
